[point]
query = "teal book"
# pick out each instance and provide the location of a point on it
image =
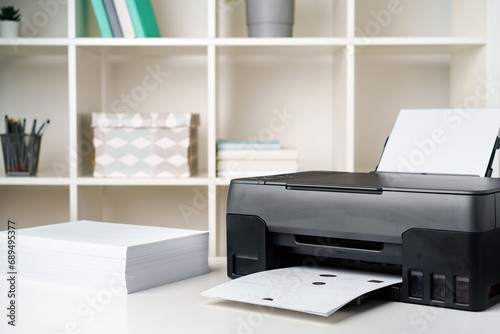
(101, 18)
(143, 18)
(226, 144)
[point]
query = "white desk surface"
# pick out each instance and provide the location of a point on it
(179, 308)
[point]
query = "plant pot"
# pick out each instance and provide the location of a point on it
(9, 29)
(270, 18)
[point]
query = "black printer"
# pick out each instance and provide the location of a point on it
(440, 232)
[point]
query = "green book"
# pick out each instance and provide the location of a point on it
(143, 18)
(101, 18)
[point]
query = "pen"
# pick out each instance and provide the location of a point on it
(13, 144)
(6, 145)
(28, 158)
(43, 127)
(33, 128)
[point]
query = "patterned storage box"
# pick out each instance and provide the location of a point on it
(145, 145)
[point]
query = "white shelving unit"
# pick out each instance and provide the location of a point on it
(333, 91)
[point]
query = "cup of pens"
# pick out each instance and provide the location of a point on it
(21, 150)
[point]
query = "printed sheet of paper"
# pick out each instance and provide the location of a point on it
(445, 141)
(319, 291)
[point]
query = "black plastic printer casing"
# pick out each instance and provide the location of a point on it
(440, 232)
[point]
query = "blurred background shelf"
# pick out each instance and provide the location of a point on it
(332, 91)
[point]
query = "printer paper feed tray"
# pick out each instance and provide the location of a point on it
(443, 141)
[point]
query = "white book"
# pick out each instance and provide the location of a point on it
(124, 18)
(283, 154)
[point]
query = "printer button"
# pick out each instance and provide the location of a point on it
(438, 287)
(462, 289)
(416, 284)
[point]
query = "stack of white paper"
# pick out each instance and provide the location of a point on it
(99, 255)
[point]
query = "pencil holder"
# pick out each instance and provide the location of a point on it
(20, 154)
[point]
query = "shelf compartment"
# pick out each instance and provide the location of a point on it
(25, 94)
(177, 19)
(424, 18)
(293, 94)
(44, 19)
(150, 79)
(320, 18)
(387, 83)
(390, 78)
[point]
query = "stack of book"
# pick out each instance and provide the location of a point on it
(96, 255)
(239, 158)
(125, 18)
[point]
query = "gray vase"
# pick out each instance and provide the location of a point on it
(270, 18)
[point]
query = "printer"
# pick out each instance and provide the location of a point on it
(440, 232)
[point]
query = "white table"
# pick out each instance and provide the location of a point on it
(179, 308)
